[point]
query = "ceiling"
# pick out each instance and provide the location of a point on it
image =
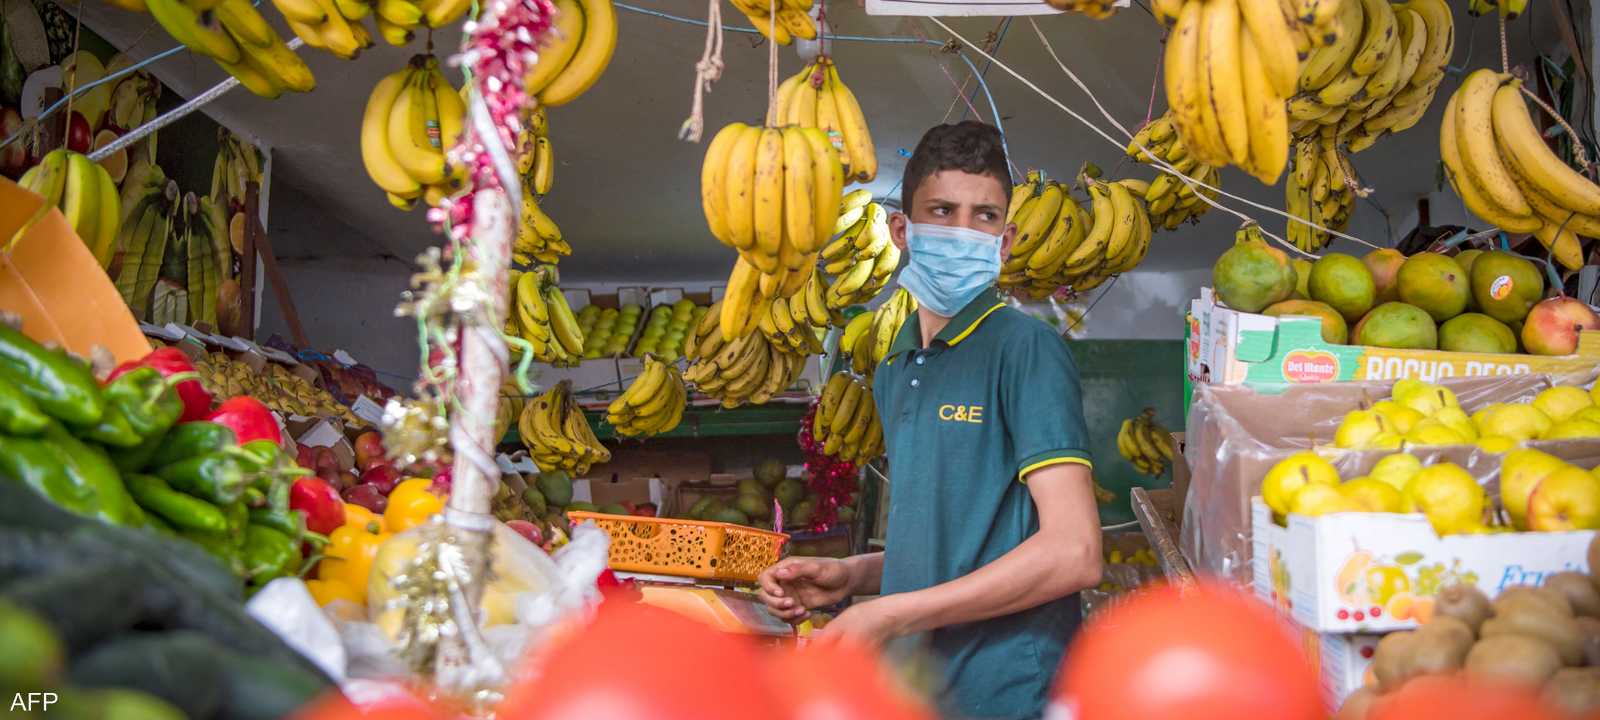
(626, 190)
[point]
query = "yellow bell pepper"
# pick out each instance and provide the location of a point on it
(347, 558)
(327, 591)
(411, 503)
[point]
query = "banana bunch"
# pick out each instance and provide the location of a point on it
(862, 257)
(239, 39)
(1059, 244)
(1095, 9)
(538, 238)
(148, 201)
(1229, 65)
(557, 434)
(509, 409)
(336, 25)
(536, 161)
(237, 164)
(749, 368)
(412, 119)
(1318, 189)
(87, 197)
(1378, 81)
(539, 314)
(208, 260)
(792, 18)
(1145, 443)
(652, 404)
(816, 98)
(773, 194)
(846, 421)
(1510, 8)
(1498, 162)
(133, 103)
(1172, 201)
(792, 323)
(585, 38)
(867, 336)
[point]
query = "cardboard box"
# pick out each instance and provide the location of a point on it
(1230, 347)
(671, 466)
(634, 491)
(1378, 572)
(1341, 662)
(605, 374)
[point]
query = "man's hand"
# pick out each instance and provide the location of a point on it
(873, 622)
(794, 586)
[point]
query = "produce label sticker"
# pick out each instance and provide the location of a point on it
(964, 8)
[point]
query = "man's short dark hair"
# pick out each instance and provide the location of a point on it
(969, 146)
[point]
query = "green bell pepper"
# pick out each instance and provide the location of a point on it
(41, 466)
(113, 430)
(150, 405)
(19, 414)
(288, 522)
(221, 548)
(269, 554)
(181, 510)
(192, 439)
(63, 387)
(91, 469)
(216, 477)
(137, 457)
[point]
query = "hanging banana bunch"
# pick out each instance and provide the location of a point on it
(773, 194)
(1061, 245)
(652, 404)
(412, 119)
(539, 314)
(1170, 200)
(509, 409)
(749, 369)
(1094, 9)
(235, 35)
(846, 421)
(867, 336)
(780, 21)
(1499, 164)
(578, 53)
(535, 159)
(557, 434)
(861, 258)
(83, 190)
(1510, 9)
(1318, 189)
(142, 237)
(815, 97)
(1143, 442)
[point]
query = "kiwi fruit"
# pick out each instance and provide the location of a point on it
(1575, 690)
(1392, 659)
(1590, 627)
(1465, 603)
(1440, 647)
(1521, 594)
(1514, 658)
(1579, 591)
(1358, 705)
(1562, 634)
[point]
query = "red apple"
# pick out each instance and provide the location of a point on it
(347, 479)
(80, 137)
(366, 496)
(527, 530)
(14, 158)
(305, 456)
(645, 510)
(383, 477)
(1552, 326)
(325, 462)
(369, 449)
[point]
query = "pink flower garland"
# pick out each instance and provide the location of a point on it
(499, 48)
(830, 479)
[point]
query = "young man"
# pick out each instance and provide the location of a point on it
(992, 521)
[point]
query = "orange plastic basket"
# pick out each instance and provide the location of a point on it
(687, 548)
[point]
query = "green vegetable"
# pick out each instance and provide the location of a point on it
(137, 457)
(237, 516)
(19, 414)
(192, 439)
(219, 546)
(113, 430)
(36, 463)
(181, 510)
(145, 399)
(78, 601)
(269, 554)
(179, 667)
(61, 385)
(289, 522)
(90, 467)
(216, 477)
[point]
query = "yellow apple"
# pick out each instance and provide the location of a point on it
(1562, 402)
(1400, 417)
(1368, 495)
(1358, 428)
(1518, 421)
(1291, 475)
(1448, 495)
(1433, 432)
(1423, 397)
(1456, 419)
(1396, 470)
(1520, 472)
(1572, 428)
(1496, 444)
(1568, 499)
(1314, 500)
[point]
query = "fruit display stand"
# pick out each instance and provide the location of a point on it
(1229, 347)
(1158, 512)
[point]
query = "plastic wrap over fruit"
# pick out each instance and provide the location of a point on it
(1235, 435)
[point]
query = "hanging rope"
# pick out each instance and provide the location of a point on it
(772, 64)
(1505, 56)
(707, 71)
(1577, 143)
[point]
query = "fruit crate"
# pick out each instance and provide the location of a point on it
(687, 548)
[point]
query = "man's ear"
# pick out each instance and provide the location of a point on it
(897, 229)
(1006, 238)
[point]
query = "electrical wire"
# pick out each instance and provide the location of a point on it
(86, 87)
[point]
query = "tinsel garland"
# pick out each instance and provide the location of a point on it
(831, 480)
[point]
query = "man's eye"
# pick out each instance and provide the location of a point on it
(941, 211)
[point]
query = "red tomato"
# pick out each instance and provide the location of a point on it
(637, 662)
(1208, 653)
(1439, 697)
(335, 707)
(842, 681)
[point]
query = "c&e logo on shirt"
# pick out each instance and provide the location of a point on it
(961, 413)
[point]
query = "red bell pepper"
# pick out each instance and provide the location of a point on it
(179, 373)
(320, 503)
(248, 418)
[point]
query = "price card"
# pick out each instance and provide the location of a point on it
(367, 409)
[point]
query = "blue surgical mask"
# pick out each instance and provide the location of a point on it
(949, 265)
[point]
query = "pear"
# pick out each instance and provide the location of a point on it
(1456, 419)
(1386, 441)
(1448, 495)
(1562, 402)
(1520, 472)
(1368, 495)
(1314, 500)
(1396, 470)
(1588, 413)
(1433, 432)
(1496, 444)
(1358, 428)
(1567, 499)
(1515, 421)
(1400, 417)
(1425, 398)
(1572, 429)
(1291, 475)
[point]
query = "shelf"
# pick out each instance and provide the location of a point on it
(707, 422)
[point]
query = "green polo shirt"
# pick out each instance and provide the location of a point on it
(994, 397)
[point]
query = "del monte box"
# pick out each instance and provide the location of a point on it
(1229, 347)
